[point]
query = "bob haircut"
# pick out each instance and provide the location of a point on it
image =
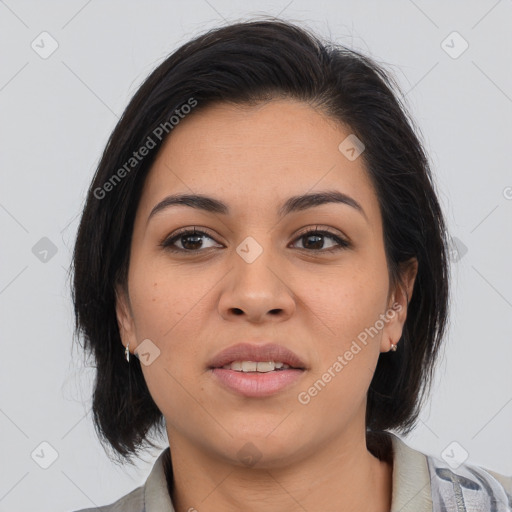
(245, 64)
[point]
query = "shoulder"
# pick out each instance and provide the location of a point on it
(454, 485)
(477, 487)
(504, 480)
(131, 502)
(423, 482)
(152, 496)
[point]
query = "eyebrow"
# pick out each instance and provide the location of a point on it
(293, 204)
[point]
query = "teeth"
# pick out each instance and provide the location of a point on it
(249, 366)
(266, 366)
(253, 366)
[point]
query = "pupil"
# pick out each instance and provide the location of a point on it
(197, 241)
(318, 244)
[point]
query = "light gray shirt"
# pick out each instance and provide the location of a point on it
(421, 483)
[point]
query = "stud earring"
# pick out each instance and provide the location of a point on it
(393, 347)
(127, 352)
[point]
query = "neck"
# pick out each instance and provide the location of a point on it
(343, 476)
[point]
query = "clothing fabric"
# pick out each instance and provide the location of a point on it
(420, 483)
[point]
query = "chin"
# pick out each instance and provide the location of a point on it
(261, 454)
(261, 448)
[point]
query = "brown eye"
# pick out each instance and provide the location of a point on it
(314, 240)
(190, 240)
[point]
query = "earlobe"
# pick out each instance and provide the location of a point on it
(404, 289)
(409, 276)
(124, 316)
(397, 307)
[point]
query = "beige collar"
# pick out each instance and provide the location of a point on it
(411, 483)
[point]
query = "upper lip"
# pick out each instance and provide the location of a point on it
(257, 353)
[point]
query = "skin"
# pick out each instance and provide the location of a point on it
(193, 305)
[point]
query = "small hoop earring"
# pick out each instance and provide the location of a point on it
(127, 352)
(393, 347)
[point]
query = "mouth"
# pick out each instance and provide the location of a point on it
(256, 370)
(258, 366)
(249, 357)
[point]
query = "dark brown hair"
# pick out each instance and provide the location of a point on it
(245, 63)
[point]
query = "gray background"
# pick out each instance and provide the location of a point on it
(56, 115)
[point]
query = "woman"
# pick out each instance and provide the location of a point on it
(264, 235)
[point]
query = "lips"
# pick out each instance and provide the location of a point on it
(257, 353)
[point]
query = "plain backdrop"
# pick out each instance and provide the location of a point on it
(452, 60)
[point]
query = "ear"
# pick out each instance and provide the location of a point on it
(400, 297)
(125, 320)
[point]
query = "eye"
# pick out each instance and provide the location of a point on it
(315, 240)
(189, 240)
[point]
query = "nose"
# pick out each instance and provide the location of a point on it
(257, 291)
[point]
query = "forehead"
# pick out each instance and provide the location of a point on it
(246, 154)
(281, 128)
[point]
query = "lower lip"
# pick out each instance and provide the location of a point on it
(257, 384)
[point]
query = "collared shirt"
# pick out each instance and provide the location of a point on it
(420, 483)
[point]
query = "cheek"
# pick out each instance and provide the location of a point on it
(168, 306)
(346, 332)
(348, 300)
(163, 297)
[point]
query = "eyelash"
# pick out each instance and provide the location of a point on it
(167, 244)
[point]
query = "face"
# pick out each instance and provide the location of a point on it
(311, 278)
